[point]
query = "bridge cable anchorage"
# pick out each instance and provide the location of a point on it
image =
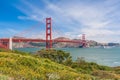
(48, 33)
(4, 44)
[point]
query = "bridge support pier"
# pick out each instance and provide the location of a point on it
(10, 43)
(48, 33)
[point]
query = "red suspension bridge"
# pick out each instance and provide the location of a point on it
(8, 42)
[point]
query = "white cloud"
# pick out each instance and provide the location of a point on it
(96, 20)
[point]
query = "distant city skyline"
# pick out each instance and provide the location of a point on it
(98, 19)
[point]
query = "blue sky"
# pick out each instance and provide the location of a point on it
(98, 19)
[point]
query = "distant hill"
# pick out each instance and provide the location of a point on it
(62, 38)
(90, 43)
(18, 37)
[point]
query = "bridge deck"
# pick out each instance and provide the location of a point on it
(38, 40)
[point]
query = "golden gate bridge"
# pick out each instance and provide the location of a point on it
(8, 42)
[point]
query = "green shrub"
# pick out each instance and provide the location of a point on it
(58, 56)
(24, 66)
(28, 67)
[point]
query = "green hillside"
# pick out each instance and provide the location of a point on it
(23, 66)
(27, 67)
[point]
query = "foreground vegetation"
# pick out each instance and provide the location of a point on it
(51, 65)
(19, 66)
(91, 68)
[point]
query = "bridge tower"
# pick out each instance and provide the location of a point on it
(84, 40)
(48, 33)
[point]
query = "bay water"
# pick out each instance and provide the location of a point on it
(102, 56)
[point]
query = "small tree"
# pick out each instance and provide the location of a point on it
(58, 56)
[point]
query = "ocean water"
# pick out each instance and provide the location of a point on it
(102, 56)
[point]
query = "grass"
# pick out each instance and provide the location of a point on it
(3, 77)
(28, 67)
(15, 65)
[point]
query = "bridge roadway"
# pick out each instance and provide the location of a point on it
(38, 40)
